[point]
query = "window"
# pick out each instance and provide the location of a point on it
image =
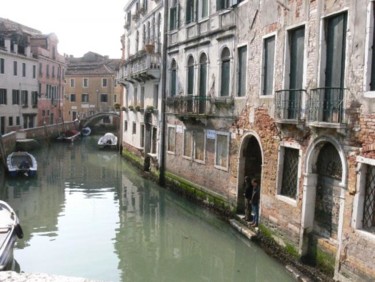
(225, 72)
(221, 150)
(72, 82)
(125, 125)
(268, 65)
(142, 99)
(202, 83)
(222, 4)
(199, 144)
(85, 98)
(173, 78)
(34, 71)
(142, 136)
(171, 139)
(10, 121)
(135, 96)
(15, 97)
(190, 76)
(369, 201)
(203, 9)
(190, 10)
(24, 98)
(72, 97)
(47, 71)
(85, 83)
(18, 121)
(103, 98)
(53, 71)
(104, 82)
(14, 68)
(2, 65)
(188, 143)
(3, 96)
(289, 181)
(23, 69)
(173, 19)
(34, 99)
(242, 67)
(134, 130)
(40, 69)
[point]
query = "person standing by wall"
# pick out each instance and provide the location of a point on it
(255, 197)
(248, 191)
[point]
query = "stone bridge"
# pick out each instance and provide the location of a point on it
(89, 120)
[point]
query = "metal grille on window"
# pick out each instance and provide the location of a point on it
(290, 173)
(329, 163)
(369, 204)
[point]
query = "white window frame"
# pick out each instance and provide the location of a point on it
(359, 197)
(227, 134)
(370, 42)
(261, 95)
(191, 144)
(280, 165)
(85, 82)
(175, 133)
(204, 148)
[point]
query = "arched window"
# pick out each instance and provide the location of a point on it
(137, 42)
(190, 76)
(148, 33)
(173, 78)
(203, 75)
(225, 72)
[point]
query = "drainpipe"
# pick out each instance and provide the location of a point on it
(164, 95)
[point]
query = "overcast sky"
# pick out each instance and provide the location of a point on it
(80, 25)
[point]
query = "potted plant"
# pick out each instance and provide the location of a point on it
(117, 106)
(150, 47)
(131, 108)
(150, 109)
(138, 108)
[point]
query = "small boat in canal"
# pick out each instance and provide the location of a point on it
(108, 140)
(86, 131)
(69, 135)
(10, 229)
(22, 163)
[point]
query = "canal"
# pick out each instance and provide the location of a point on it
(90, 214)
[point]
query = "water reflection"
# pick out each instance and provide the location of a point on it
(90, 214)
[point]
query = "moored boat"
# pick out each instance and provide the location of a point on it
(108, 140)
(22, 163)
(69, 135)
(86, 131)
(10, 229)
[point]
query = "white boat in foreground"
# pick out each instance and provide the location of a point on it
(10, 229)
(108, 140)
(21, 163)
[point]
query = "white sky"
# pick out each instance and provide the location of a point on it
(80, 25)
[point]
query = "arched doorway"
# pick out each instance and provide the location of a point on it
(250, 164)
(323, 202)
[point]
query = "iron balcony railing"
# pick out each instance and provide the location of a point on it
(288, 104)
(326, 105)
(189, 105)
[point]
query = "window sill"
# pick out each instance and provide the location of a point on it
(221, 167)
(369, 94)
(285, 199)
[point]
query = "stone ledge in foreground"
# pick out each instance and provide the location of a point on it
(11, 276)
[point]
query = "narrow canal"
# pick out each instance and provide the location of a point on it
(90, 214)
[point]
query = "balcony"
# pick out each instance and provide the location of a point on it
(140, 68)
(326, 107)
(190, 106)
(288, 107)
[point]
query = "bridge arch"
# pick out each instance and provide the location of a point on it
(86, 121)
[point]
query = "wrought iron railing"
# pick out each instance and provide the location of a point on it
(326, 105)
(196, 105)
(288, 104)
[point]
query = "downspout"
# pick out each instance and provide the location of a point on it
(164, 95)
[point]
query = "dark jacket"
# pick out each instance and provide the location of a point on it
(248, 190)
(255, 196)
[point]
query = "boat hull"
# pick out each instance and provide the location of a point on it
(10, 229)
(22, 163)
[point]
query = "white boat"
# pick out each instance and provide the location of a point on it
(108, 140)
(21, 163)
(10, 229)
(86, 131)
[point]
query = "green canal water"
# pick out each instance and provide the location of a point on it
(89, 214)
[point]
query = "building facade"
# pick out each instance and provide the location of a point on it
(141, 75)
(51, 71)
(91, 86)
(280, 91)
(18, 77)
